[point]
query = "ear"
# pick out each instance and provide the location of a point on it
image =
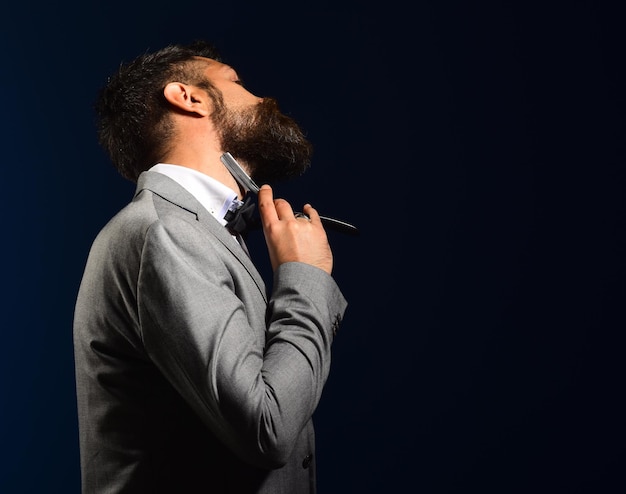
(189, 99)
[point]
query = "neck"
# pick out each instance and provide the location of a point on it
(197, 145)
(206, 161)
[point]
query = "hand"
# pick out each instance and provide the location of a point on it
(290, 238)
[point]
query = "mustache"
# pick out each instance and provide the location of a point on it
(269, 112)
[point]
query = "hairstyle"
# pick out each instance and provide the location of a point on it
(133, 117)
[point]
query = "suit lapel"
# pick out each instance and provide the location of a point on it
(178, 196)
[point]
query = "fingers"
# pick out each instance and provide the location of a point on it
(272, 210)
(265, 200)
(290, 237)
(283, 209)
(312, 213)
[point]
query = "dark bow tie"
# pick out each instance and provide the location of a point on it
(243, 219)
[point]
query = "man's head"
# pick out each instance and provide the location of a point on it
(136, 125)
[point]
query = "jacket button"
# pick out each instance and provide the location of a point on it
(307, 461)
(335, 324)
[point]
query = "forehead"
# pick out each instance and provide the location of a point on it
(210, 63)
(215, 69)
(205, 60)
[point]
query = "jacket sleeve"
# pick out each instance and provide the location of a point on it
(254, 387)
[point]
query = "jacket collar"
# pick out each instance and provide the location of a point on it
(177, 195)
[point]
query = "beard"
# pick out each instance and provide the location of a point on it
(271, 144)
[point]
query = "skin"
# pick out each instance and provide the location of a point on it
(196, 144)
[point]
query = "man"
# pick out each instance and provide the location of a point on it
(192, 377)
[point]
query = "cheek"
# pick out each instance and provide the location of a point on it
(238, 98)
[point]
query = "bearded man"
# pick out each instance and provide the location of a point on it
(191, 376)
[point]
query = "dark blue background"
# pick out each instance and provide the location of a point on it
(480, 148)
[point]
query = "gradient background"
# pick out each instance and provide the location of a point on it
(481, 150)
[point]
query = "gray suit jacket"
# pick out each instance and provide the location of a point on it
(190, 376)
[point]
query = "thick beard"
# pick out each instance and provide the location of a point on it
(271, 144)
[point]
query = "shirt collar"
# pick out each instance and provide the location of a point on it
(214, 196)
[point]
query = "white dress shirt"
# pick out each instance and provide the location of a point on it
(216, 197)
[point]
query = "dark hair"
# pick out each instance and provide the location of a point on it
(133, 121)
